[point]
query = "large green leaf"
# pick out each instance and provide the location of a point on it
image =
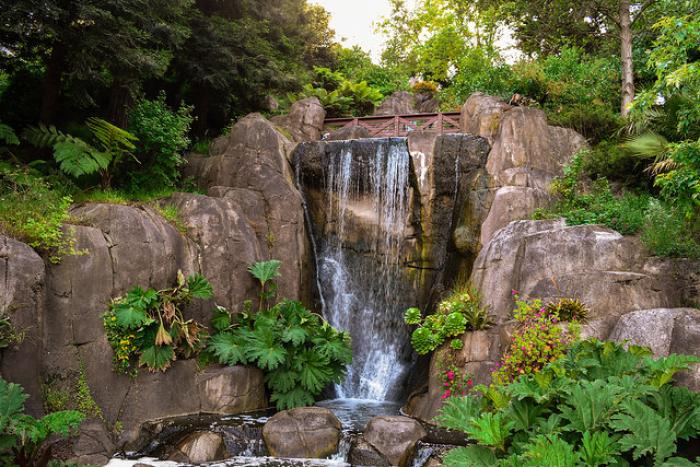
(297, 397)
(645, 432)
(457, 412)
(12, 399)
(295, 335)
(130, 317)
(282, 380)
(589, 406)
(525, 413)
(228, 348)
(490, 429)
(199, 287)
(476, 456)
(157, 357)
(598, 448)
(265, 271)
(550, 451)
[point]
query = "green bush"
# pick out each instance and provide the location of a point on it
(162, 135)
(539, 339)
(148, 328)
(597, 405)
(23, 439)
(34, 212)
(457, 314)
(667, 232)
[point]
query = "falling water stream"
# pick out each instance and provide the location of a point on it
(360, 274)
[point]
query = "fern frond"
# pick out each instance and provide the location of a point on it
(111, 137)
(44, 137)
(8, 135)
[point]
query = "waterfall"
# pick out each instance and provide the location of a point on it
(359, 260)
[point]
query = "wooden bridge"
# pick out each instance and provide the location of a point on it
(385, 126)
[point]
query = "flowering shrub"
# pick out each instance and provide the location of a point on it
(460, 312)
(147, 327)
(538, 340)
(455, 382)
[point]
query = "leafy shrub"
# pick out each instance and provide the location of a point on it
(667, 232)
(298, 350)
(33, 212)
(23, 439)
(460, 312)
(569, 309)
(78, 158)
(147, 327)
(9, 334)
(455, 382)
(538, 340)
(597, 405)
(430, 88)
(162, 138)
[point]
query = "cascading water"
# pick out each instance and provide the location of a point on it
(359, 258)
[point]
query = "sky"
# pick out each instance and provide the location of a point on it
(352, 20)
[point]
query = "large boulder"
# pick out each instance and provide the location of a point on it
(482, 115)
(22, 301)
(610, 273)
(251, 168)
(306, 432)
(200, 447)
(394, 438)
(348, 132)
(305, 119)
(665, 331)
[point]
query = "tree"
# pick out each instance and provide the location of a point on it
(118, 44)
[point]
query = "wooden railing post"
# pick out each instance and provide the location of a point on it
(441, 123)
(396, 126)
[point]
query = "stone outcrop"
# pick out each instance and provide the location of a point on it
(664, 331)
(250, 168)
(307, 432)
(526, 155)
(387, 441)
(612, 274)
(348, 132)
(406, 103)
(304, 122)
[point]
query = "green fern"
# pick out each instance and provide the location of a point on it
(8, 135)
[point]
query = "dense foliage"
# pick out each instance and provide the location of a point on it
(298, 350)
(147, 328)
(457, 314)
(540, 337)
(24, 440)
(599, 404)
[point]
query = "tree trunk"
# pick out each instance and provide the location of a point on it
(626, 55)
(201, 98)
(120, 102)
(51, 85)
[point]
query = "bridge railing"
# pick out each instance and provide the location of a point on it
(398, 125)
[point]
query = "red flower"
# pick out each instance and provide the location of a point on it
(447, 394)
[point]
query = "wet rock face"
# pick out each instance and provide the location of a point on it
(392, 439)
(200, 447)
(665, 331)
(307, 432)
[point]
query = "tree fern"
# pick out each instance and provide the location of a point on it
(8, 135)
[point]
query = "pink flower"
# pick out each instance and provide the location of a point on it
(447, 394)
(514, 292)
(470, 382)
(447, 385)
(450, 375)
